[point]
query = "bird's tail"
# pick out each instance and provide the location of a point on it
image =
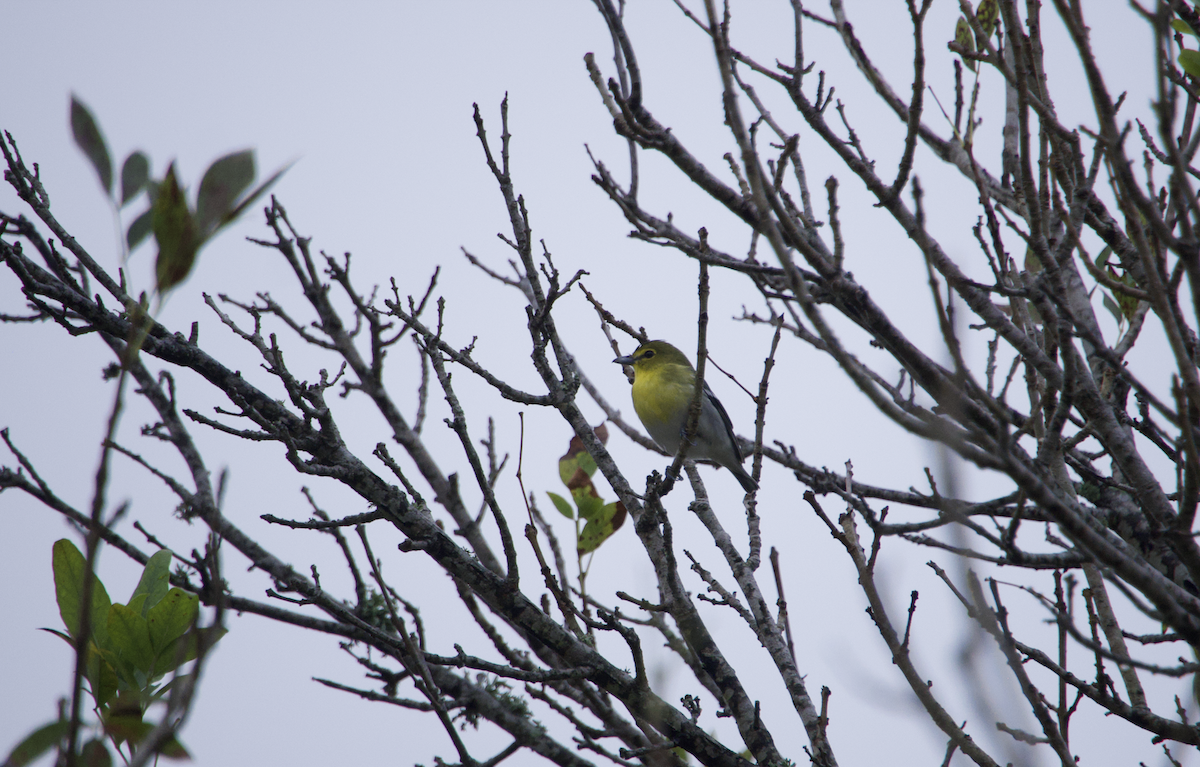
(747, 481)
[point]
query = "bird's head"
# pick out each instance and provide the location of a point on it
(654, 355)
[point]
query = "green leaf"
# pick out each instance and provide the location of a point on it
(601, 527)
(126, 727)
(102, 677)
(587, 502)
(576, 466)
(222, 185)
(1113, 308)
(567, 466)
(1033, 264)
(987, 13)
(89, 138)
(178, 679)
(965, 38)
(138, 604)
(129, 634)
(37, 743)
(139, 229)
(173, 749)
(1190, 61)
(135, 172)
(182, 650)
(175, 230)
(586, 463)
(155, 581)
(69, 568)
(1035, 315)
(171, 618)
(561, 504)
(1179, 25)
(95, 754)
(575, 469)
(65, 637)
(68, 565)
(1128, 304)
(253, 196)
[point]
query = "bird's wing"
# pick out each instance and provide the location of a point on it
(708, 392)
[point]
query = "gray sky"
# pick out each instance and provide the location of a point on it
(374, 101)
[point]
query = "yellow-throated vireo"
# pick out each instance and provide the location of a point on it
(663, 383)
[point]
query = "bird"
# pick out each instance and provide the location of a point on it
(663, 383)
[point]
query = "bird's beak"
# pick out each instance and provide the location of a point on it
(626, 360)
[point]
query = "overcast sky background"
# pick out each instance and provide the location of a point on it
(374, 102)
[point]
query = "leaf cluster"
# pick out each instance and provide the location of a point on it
(179, 228)
(601, 519)
(128, 650)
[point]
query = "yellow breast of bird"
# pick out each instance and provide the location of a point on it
(661, 402)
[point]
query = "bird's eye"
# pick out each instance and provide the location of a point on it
(647, 354)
